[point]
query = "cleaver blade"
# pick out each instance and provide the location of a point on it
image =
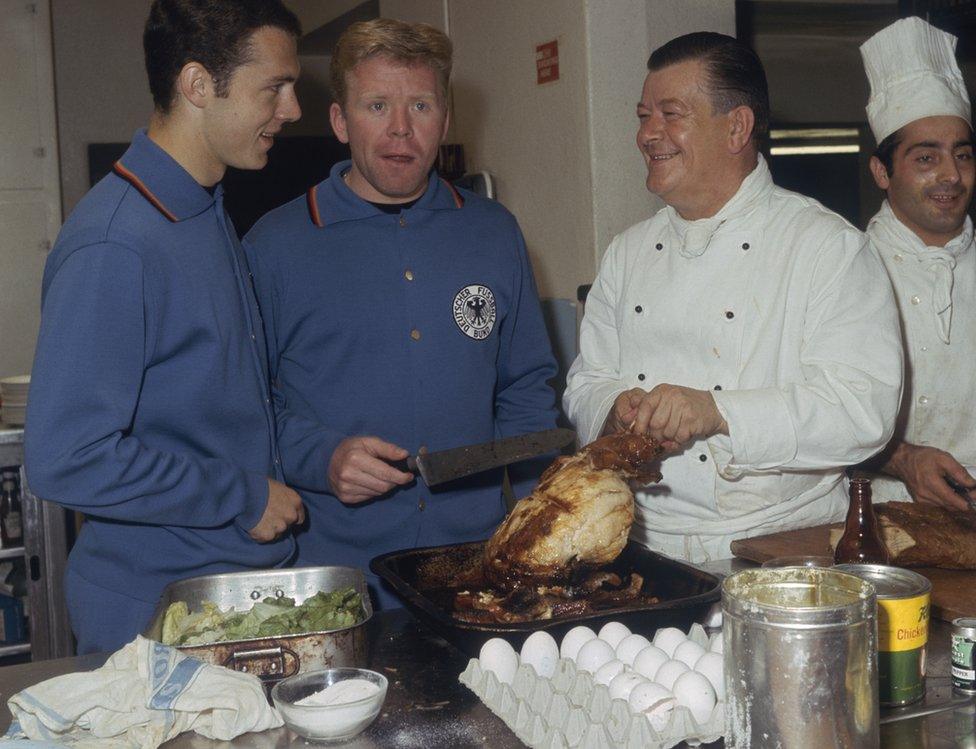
(447, 465)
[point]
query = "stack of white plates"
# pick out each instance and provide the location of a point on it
(13, 396)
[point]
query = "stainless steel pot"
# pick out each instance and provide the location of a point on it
(272, 658)
(801, 666)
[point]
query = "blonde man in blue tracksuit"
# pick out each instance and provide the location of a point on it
(400, 313)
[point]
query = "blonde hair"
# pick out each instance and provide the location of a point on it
(408, 43)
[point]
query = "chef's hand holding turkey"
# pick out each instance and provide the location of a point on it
(673, 415)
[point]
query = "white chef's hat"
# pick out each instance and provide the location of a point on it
(912, 69)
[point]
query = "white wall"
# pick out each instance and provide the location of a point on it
(618, 46)
(102, 92)
(416, 11)
(533, 138)
(621, 34)
(30, 204)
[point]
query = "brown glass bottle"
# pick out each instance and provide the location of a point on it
(861, 542)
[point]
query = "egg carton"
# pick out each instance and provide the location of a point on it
(571, 711)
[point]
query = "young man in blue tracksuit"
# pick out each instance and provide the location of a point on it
(150, 408)
(400, 313)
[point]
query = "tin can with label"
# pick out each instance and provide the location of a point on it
(903, 629)
(964, 655)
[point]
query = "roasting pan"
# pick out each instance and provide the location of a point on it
(426, 580)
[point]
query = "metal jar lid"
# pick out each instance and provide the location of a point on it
(804, 597)
(965, 626)
(888, 581)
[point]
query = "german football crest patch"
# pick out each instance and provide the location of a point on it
(474, 311)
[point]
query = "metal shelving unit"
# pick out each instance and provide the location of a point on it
(20, 647)
(45, 551)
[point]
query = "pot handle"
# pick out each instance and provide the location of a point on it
(265, 663)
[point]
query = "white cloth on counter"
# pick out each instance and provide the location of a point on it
(144, 695)
(936, 292)
(911, 67)
(788, 312)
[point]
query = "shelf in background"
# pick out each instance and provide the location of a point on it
(12, 552)
(17, 649)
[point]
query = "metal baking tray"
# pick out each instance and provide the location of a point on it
(426, 580)
(271, 658)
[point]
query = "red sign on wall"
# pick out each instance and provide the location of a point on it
(547, 62)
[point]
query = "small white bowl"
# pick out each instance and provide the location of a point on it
(327, 723)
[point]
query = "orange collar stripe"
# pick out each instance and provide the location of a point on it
(313, 206)
(458, 200)
(145, 191)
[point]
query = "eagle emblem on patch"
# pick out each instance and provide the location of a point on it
(474, 311)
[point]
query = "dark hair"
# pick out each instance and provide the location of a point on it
(885, 152)
(215, 33)
(735, 76)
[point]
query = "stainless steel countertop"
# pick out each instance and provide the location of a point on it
(427, 708)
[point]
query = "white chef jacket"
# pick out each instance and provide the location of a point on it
(776, 305)
(935, 288)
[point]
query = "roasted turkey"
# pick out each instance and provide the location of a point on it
(577, 519)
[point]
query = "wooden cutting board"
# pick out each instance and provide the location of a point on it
(953, 591)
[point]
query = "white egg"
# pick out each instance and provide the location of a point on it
(574, 640)
(716, 644)
(668, 639)
(712, 667)
(669, 672)
(500, 658)
(613, 632)
(608, 671)
(649, 660)
(695, 692)
(594, 654)
(630, 646)
(688, 653)
(541, 652)
(653, 701)
(623, 684)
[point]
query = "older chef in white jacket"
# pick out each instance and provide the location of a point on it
(748, 327)
(921, 116)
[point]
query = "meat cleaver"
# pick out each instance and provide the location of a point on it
(458, 462)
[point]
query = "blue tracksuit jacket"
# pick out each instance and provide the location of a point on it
(422, 328)
(150, 406)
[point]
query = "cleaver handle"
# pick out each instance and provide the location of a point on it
(408, 465)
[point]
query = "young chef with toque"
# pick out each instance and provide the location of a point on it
(921, 117)
(743, 324)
